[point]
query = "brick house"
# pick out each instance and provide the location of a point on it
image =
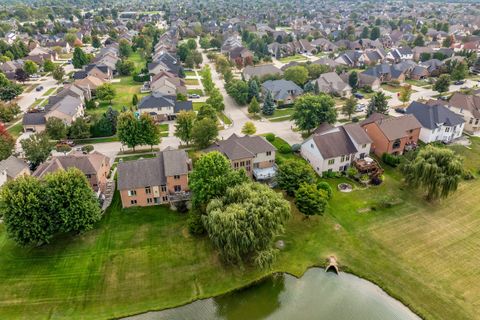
(392, 135)
(95, 166)
(253, 153)
(154, 181)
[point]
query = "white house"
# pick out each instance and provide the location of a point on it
(438, 122)
(335, 148)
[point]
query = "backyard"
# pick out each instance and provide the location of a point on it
(142, 259)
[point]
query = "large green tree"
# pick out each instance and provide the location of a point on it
(37, 148)
(7, 143)
(297, 74)
(56, 128)
(30, 67)
(268, 107)
(310, 200)
(435, 170)
(58, 73)
(216, 100)
(211, 177)
(79, 58)
(149, 130)
(204, 132)
(311, 110)
(244, 223)
(184, 126)
(80, 129)
(378, 104)
(349, 107)
(106, 92)
(128, 130)
(292, 173)
(238, 90)
(442, 84)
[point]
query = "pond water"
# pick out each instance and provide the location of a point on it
(316, 295)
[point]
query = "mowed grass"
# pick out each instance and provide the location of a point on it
(16, 130)
(297, 57)
(192, 82)
(425, 254)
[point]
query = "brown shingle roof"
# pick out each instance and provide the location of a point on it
(236, 147)
(396, 127)
(88, 164)
(467, 102)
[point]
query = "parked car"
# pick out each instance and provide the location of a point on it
(70, 143)
(401, 110)
(358, 95)
(35, 76)
(444, 98)
(360, 107)
(193, 96)
(39, 88)
(459, 82)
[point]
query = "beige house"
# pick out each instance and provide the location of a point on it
(253, 153)
(11, 168)
(154, 181)
(95, 166)
(468, 106)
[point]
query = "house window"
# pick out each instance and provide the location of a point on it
(164, 198)
(242, 163)
(149, 200)
(331, 161)
(311, 145)
(177, 188)
(164, 188)
(447, 129)
(88, 176)
(148, 190)
(235, 165)
(342, 159)
(269, 153)
(133, 202)
(476, 121)
(347, 157)
(176, 177)
(364, 146)
(132, 193)
(396, 144)
(471, 121)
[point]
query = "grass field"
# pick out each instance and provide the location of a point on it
(297, 57)
(226, 120)
(97, 140)
(49, 92)
(287, 112)
(138, 61)
(192, 82)
(190, 73)
(16, 130)
(424, 253)
(197, 105)
(195, 91)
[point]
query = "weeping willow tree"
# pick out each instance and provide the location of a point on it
(244, 223)
(436, 170)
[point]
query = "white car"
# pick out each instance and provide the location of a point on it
(359, 107)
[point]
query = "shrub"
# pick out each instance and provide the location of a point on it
(377, 181)
(181, 206)
(87, 148)
(390, 159)
(352, 172)
(296, 147)
(355, 119)
(328, 174)
(270, 137)
(367, 89)
(322, 185)
(195, 224)
(468, 175)
(285, 148)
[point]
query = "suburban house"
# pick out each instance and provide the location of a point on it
(253, 153)
(350, 58)
(165, 62)
(90, 82)
(11, 168)
(240, 55)
(167, 83)
(283, 91)
(163, 107)
(385, 73)
(331, 82)
(438, 122)
(260, 71)
(334, 149)
(468, 106)
(400, 54)
(95, 166)
(392, 135)
(67, 108)
(154, 181)
(101, 72)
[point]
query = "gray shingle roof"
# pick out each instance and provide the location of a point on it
(334, 143)
(431, 116)
(13, 166)
(236, 147)
(281, 89)
(34, 118)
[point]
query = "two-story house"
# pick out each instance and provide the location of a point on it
(154, 181)
(283, 91)
(163, 107)
(438, 122)
(466, 105)
(392, 135)
(334, 149)
(95, 166)
(253, 153)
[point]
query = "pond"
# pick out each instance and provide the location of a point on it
(316, 295)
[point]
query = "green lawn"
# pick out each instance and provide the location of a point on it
(138, 61)
(226, 120)
(190, 73)
(16, 130)
(195, 91)
(192, 82)
(197, 105)
(48, 92)
(136, 260)
(391, 88)
(287, 112)
(136, 157)
(97, 140)
(297, 57)
(418, 83)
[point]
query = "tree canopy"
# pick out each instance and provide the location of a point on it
(311, 110)
(292, 173)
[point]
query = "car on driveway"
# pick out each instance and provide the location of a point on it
(360, 107)
(459, 82)
(358, 95)
(400, 110)
(194, 96)
(39, 88)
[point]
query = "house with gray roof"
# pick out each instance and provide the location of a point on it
(11, 168)
(154, 181)
(283, 91)
(331, 83)
(334, 149)
(253, 153)
(438, 122)
(163, 107)
(261, 71)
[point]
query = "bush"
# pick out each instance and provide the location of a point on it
(285, 148)
(181, 206)
(270, 137)
(322, 185)
(87, 148)
(355, 119)
(391, 160)
(141, 77)
(195, 224)
(367, 89)
(376, 181)
(468, 175)
(328, 174)
(352, 172)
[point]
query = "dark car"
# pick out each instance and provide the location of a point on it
(358, 95)
(39, 88)
(401, 110)
(459, 82)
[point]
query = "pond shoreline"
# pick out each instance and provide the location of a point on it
(344, 269)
